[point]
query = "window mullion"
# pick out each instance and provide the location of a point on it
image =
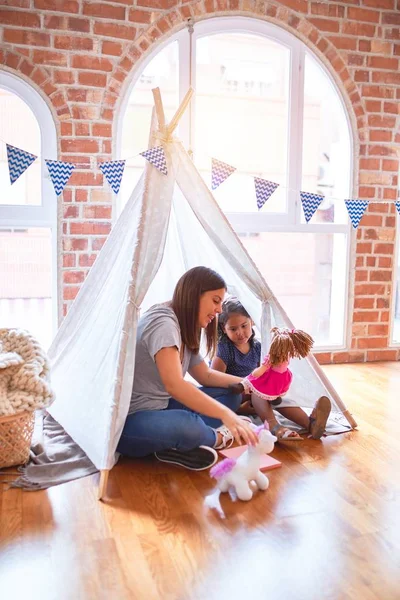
(295, 142)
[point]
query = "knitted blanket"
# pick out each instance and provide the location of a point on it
(24, 373)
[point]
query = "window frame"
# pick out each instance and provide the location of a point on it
(260, 222)
(43, 215)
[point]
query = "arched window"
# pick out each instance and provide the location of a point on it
(28, 213)
(265, 105)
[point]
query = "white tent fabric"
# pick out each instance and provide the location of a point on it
(170, 224)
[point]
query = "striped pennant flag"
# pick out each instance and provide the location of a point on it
(356, 209)
(113, 171)
(156, 157)
(310, 203)
(18, 161)
(397, 203)
(59, 172)
(219, 172)
(264, 190)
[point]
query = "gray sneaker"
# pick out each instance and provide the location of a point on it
(197, 459)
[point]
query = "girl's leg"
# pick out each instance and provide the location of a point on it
(151, 431)
(295, 414)
(265, 412)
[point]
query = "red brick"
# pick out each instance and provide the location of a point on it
(86, 178)
(47, 57)
(380, 136)
(360, 14)
(100, 9)
(377, 91)
(63, 76)
(89, 228)
(102, 129)
(70, 292)
(384, 248)
(382, 303)
(381, 122)
(69, 260)
(97, 212)
(364, 302)
(323, 358)
(67, 6)
(111, 48)
(389, 4)
(75, 244)
(81, 195)
(140, 16)
(30, 38)
(19, 18)
(69, 42)
(369, 289)
(374, 355)
(380, 276)
(98, 243)
(92, 79)
(66, 128)
(76, 24)
(157, 4)
(379, 329)
(112, 30)
(370, 260)
(92, 63)
(87, 260)
(81, 146)
(325, 24)
(358, 29)
(372, 342)
(380, 62)
(73, 276)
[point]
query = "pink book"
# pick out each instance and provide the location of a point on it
(266, 461)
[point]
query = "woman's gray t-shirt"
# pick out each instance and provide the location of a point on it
(158, 328)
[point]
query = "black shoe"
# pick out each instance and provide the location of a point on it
(198, 459)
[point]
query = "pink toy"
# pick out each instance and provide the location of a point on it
(239, 473)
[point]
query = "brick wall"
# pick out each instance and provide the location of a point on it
(80, 54)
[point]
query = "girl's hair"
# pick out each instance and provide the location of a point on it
(231, 306)
(186, 304)
(289, 343)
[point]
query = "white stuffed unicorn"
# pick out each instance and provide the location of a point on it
(239, 473)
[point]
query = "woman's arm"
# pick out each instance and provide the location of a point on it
(209, 377)
(218, 364)
(170, 370)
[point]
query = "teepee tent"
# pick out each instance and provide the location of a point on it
(171, 223)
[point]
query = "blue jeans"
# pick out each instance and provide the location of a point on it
(176, 426)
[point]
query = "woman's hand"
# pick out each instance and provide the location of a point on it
(239, 428)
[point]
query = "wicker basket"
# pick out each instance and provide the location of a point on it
(15, 438)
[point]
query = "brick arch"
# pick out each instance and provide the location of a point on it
(279, 15)
(19, 64)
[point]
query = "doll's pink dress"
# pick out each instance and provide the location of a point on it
(272, 384)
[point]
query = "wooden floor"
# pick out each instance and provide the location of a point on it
(328, 527)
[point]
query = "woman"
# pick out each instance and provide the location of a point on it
(168, 416)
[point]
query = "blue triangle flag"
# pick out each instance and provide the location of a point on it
(356, 209)
(310, 203)
(156, 157)
(18, 161)
(264, 190)
(397, 203)
(219, 172)
(113, 171)
(59, 172)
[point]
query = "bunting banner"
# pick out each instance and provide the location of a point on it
(220, 171)
(397, 203)
(356, 209)
(156, 157)
(310, 203)
(113, 172)
(18, 161)
(59, 172)
(264, 190)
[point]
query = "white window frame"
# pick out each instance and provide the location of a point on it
(45, 214)
(289, 221)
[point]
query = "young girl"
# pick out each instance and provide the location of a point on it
(269, 382)
(238, 351)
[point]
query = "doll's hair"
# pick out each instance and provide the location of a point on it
(231, 306)
(289, 343)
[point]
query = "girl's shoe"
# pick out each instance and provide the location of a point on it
(319, 417)
(197, 459)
